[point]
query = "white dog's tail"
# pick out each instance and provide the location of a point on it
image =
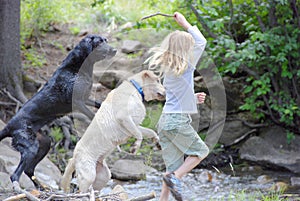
(66, 179)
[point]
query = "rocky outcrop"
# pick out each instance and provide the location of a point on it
(271, 148)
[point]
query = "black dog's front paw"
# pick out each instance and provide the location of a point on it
(97, 104)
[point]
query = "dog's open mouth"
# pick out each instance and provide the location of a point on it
(161, 96)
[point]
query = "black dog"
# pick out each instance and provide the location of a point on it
(67, 89)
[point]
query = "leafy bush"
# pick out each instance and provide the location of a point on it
(260, 41)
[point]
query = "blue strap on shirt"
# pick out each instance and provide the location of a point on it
(139, 88)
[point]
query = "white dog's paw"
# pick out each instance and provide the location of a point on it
(135, 147)
(156, 139)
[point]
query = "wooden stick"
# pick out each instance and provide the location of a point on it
(15, 197)
(144, 197)
(92, 194)
(158, 13)
(57, 196)
(18, 189)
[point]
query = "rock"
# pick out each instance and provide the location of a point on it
(46, 172)
(205, 177)
(111, 78)
(5, 182)
(121, 62)
(127, 25)
(202, 119)
(295, 181)
(125, 169)
(232, 130)
(271, 149)
(120, 193)
(263, 179)
(279, 187)
(131, 46)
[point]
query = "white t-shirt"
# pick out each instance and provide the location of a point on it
(180, 96)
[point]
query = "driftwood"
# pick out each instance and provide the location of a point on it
(144, 197)
(16, 197)
(18, 189)
(155, 14)
(91, 195)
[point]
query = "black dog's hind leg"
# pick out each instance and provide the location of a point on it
(26, 143)
(44, 146)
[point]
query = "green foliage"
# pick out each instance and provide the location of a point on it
(262, 42)
(57, 134)
(117, 11)
(33, 58)
(152, 116)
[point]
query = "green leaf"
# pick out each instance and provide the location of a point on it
(248, 89)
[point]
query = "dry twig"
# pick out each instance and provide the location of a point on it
(158, 13)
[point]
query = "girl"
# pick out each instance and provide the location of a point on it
(176, 58)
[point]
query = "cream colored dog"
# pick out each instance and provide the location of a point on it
(116, 121)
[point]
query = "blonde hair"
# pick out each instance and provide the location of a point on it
(173, 54)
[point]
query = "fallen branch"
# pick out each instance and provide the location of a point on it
(7, 103)
(92, 194)
(158, 13)
(19, 104)
(144, 197)
(15, 197)
(18, 189)
(57, 196)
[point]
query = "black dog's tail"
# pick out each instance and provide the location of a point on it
(4, 133)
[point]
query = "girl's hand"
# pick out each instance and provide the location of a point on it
(180, 19)
(200, 97)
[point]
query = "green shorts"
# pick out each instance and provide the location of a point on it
(178, 138)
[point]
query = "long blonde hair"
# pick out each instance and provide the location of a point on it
(173, 54)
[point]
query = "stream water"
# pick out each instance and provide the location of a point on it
(207, 185)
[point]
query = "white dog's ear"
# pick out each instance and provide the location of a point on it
(146, 74)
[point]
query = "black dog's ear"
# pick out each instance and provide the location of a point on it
(86, 45)
(97, 40)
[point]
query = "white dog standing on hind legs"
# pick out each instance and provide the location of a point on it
(118, 119)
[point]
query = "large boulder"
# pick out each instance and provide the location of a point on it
(126, 169)
(232, 131)
(131, 46)
(271, 148)
(46, 172)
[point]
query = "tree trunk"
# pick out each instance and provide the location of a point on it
(10, 55)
